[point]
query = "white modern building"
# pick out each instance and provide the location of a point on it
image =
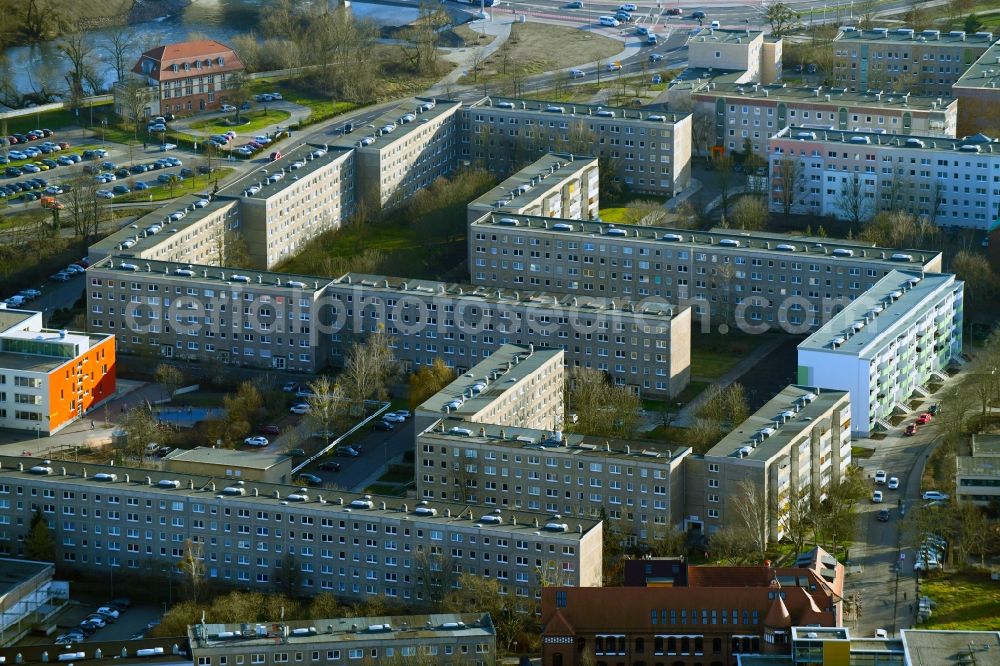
(887, 345)
(846, 174)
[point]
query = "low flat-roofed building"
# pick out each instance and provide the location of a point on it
(409, 148)
(189, 230)
(327, 527)
(657, 162)
(515, 385)
(886, 346)
(754, 280)
(797, 445)
(977, 476)
(440, 638)
(25, 591)
(638, 486)
(562, 186)
(236, 464)
(213, 314)
(49, 377)
(646, 345)
(931, 648)
(728, 49)
(291, 200)
(978, 93)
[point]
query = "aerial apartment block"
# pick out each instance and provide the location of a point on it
(643, 345)
(953, 182)
(409, 148)
(459, 639)
(794, 447)
(204, 313)
(757, 280)
(190, 229)
(136, 521)
(639, 488)
(563, 186)
(515, 385)
(752, 111)
(293, 199)
(718, 615)
(652, 151)
(50, 378)
(903, 60)
(978, 96)
(886, 346)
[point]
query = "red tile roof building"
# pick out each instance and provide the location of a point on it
(721, 612)
(189, 76)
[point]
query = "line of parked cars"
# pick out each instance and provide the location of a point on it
(102, 617)
(922, 419)
(34, 135)
(71, 271)
(386, 424)
(34, 153)
(28, 189)
(268, 97)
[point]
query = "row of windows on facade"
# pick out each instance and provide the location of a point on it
(350, 653)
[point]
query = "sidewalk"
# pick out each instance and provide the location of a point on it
(464, 57)
(297, 112)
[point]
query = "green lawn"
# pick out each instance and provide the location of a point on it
(614, 215)
(861, 452)
(58, 119)
(321, 106)
(258, 120)
(711, 364)
(969, 601)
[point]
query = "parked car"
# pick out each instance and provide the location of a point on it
(698, 14)
(300, 409)
(674, 11)
(120, 189)
(167, 146)
(877, 497)
(108, 611)
(311, 479)
(880, 477)
(347, 451)
(289, 387)
(59, 277)
(256, 441)
(270, 430)
(883, 515)
(276, 155)
(893, 483)
(926, 417)
(910, 431)
(104, 194)
(934, 495)
(577, 73)
(383, 426)
(391, 417)
(329, 466)
(96, 622)
(933, 409)
(141, 186)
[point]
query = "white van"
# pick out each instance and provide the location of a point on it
(715, 25)
(609, 21)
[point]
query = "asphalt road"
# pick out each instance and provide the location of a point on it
(879, 547)
(378, 449)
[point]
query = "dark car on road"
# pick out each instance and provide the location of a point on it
(383, 426)
(329, 466)
(311, 479)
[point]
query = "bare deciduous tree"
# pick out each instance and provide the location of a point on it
(326, 405)
(752, 515)
(369, 366)
(192, 565)
(788, 180)
(119, 51)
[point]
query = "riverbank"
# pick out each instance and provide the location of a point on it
(152, 10)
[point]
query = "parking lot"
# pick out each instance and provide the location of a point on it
(130, 623)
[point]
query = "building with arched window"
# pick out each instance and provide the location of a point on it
(710, 616)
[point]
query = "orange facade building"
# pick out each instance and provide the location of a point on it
(49, 378)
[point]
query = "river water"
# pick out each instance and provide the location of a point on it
(215, 19)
